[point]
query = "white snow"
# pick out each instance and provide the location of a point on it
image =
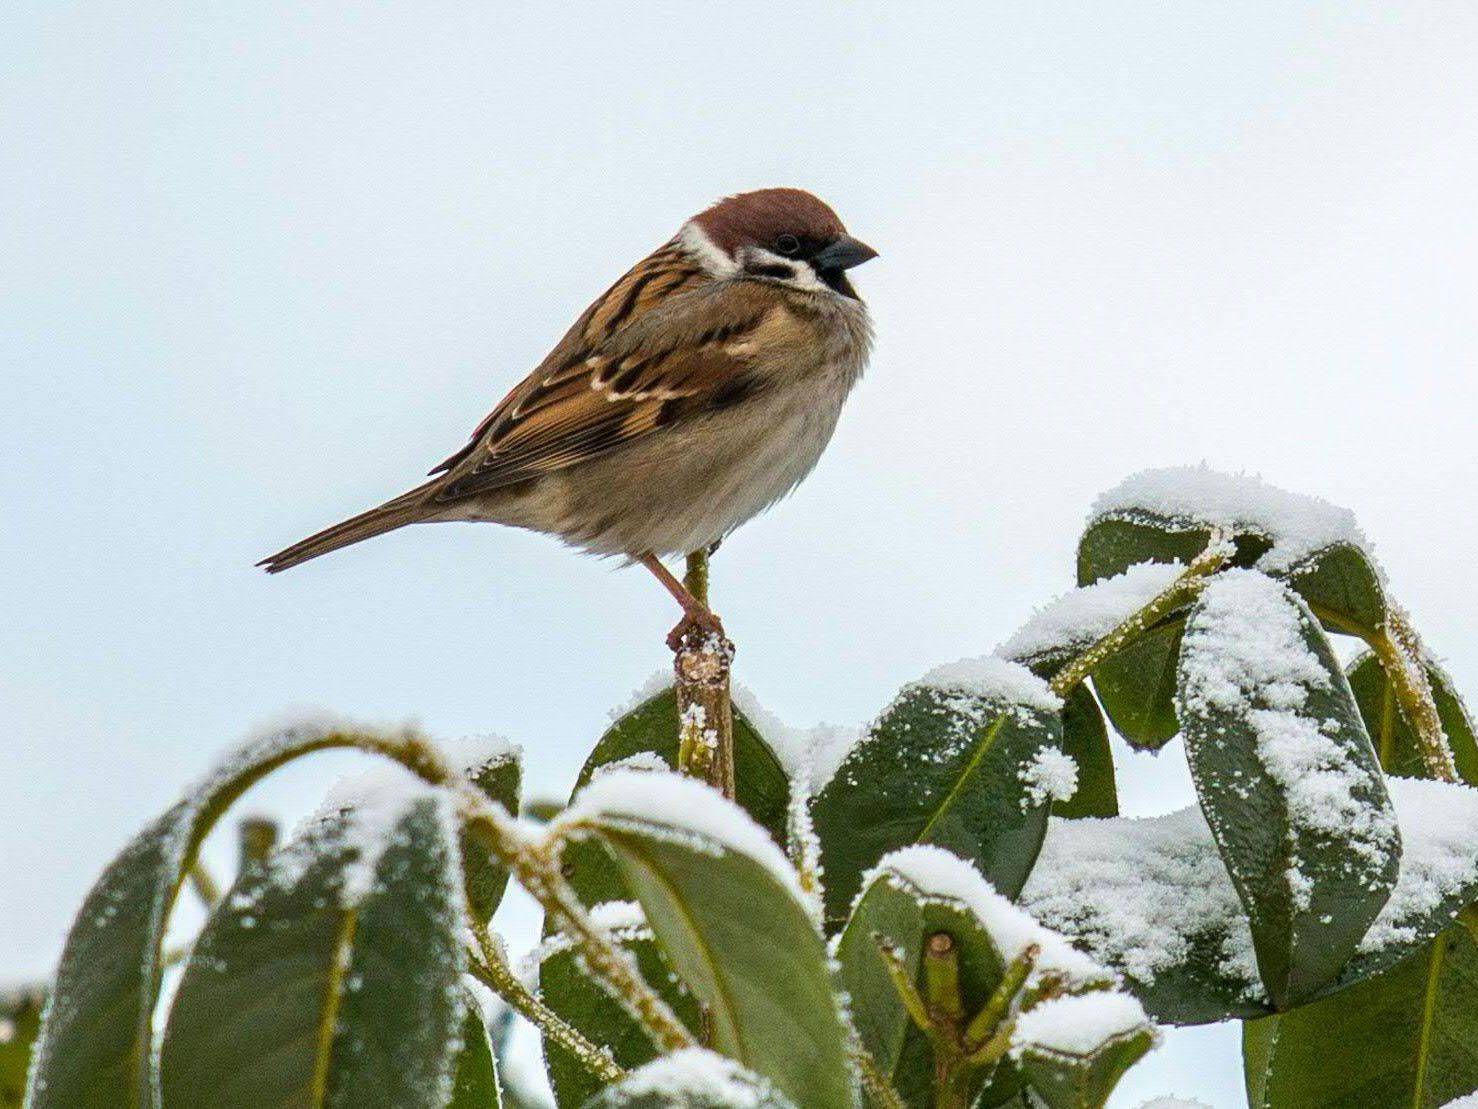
(1174, 1103)
(656, 683)
(1439, 827)
(1297, 525)
(680, 808)
(1079, 618)
(809, 755)
(935, 875)
(624, 921)
(696, 1072)
(649, 761)
(473, 754)
(1244, 654)
(1135, 892)
(1467, 1101)
(995, 679)
(376, 802)
(1079, 1024)
(1050, 774)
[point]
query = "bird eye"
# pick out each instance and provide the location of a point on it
(787, 244)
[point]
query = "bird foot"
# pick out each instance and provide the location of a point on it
(700, 630)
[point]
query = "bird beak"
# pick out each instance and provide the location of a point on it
(842, 254)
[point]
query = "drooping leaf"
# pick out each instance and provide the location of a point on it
(475, 1077)
(499, 779)
(728, 912)
(94, 1046)
(1137, 686)
(1085, 740)
(948, 763)
(568, 988)
(1342, 587)
(692, 1079)
(1073, 1050)
(647, 736)
(1395, 741)
(20, 1021)
(1287, 778)
(1404, 1038)
(331, 975)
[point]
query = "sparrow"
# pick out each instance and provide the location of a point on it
(697, 391)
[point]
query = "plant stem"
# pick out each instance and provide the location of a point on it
(1402, 656)
(536, 866)
(1176, 594)
(205, 886)
(492, 969)
(702, 662)
(878, 1088)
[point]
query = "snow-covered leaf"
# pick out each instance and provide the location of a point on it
(956, 760)
(1288, 779)
(475, 1076)
(94, 1046)
(1074, 1049)
(1394, 739)
(498, 773)
(692, 1079)
(1152, 899)
(728, 910)
(567, 988)
(1406, 1037)
(645, 736)
(911, 895)
(1137, 685)
(1343, 588)
(330, 975)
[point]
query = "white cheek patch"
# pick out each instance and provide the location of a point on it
(697, 243)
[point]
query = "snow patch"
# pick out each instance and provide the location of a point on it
(1050, 774)
(810, 756)
(1080, 618)
(680, 808)
(1174, 1103)
(935, 875)
(1079, 1024)
(992, 678)
(1197, 496)
(694, 1074)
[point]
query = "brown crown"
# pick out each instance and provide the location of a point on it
(758, 217)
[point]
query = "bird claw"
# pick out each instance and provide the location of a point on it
(699, 630)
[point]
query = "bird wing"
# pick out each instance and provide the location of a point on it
(666, 341)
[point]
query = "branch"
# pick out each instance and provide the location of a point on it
(1179, 592)
(1403, 658)
(489, 967)
(701, 662)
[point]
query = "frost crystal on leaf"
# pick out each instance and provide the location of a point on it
(992, 678)
(1050, 773)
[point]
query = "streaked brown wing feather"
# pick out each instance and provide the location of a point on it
(655, 347)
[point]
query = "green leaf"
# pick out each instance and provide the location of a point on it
(1342, 587)
(1110, 546)
(1137, 686)
(498, 779)
(20, 1021)
(943, 765)
(94, 1047)
(724, 904)
(1070, 1076)
(894, 912)
(690, 1080)
(1287, 778)
(1405, 1038)
(651, 729)
(567, 988)
(330, 976)
(1395, 741)
(475, 1077)
(1085, 739)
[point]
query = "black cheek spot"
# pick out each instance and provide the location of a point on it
(769, 270)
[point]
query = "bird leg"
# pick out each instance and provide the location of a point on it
(699, 621)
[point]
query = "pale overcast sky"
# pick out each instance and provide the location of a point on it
(264, 264)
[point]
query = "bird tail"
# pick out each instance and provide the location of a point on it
(407, 508)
